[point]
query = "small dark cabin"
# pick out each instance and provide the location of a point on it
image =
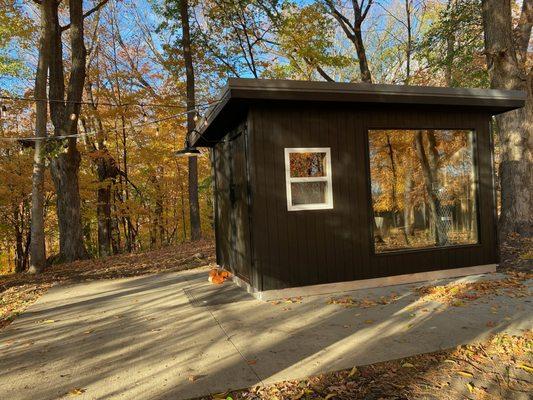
(319, 182)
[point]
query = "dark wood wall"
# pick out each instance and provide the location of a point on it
(295, 248)
(232, 204)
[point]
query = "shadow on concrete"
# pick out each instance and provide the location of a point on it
(142, 337)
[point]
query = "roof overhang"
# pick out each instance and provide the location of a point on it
(239, 93)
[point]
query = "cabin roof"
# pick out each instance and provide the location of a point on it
(239, 93)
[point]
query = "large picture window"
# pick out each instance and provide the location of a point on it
(308, 178)
(424, 188)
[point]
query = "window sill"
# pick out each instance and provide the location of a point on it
(425, 249)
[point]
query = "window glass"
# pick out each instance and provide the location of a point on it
(308, 175)
(308, 192)
(424, 188)
(307, 164)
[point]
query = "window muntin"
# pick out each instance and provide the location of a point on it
(308, 178)
(424, 188)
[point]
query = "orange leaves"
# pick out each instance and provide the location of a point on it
(456, 294)
(217, 276)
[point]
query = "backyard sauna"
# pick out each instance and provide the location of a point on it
(318, 183)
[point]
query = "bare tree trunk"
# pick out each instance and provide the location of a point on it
(352, 30)
(409, 47)
(194, 206)
(107, 172)
(361, 54)
(65, 116)
(428, 165)
(507, 70)
(408, 209)
(450, 48)
(37, 244)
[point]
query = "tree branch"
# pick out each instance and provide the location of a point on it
(85, 15)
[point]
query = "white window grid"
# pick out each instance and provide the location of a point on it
(328, 204)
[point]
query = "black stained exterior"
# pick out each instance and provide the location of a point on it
(262, 242)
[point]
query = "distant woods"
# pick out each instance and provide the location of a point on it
(102, 179)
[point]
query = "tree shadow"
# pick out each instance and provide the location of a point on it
(142, 337)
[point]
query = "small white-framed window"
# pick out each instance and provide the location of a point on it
(308, 178)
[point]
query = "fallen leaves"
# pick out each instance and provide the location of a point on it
(525, 367)
(465, 374)
(479, 371)
(15, 300)
(289, 300)
(349, 301)
(457, 294)
(76, 391)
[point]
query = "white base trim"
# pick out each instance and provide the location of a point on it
(349, 286)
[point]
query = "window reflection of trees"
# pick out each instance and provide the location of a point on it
(423, 188)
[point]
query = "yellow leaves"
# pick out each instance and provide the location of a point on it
(457, 294)
(349, 302)
(353, 372)
(48, 321)
(77, 391)
(407, 365)
(465, 374)
(525, 367)
(470, 387)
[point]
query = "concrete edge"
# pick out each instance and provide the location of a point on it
(338, 287)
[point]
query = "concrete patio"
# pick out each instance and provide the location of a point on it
(176, 336)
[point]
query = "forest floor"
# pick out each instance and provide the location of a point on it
(18, 291)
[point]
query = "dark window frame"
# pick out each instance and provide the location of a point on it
(370, 207)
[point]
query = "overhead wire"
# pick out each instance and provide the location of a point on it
(127, 104)
(197, 109)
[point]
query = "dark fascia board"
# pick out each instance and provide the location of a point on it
(242, 91)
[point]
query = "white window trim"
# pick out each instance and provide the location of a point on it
(288, 179)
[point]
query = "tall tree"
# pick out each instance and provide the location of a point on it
(506, 50)
(352, 28)
(37, 244)
(194, 207)
(64, 111)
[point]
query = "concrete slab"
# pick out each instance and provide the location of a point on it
(176, 336)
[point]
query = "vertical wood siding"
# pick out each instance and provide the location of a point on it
(295, 248)
(232, 212)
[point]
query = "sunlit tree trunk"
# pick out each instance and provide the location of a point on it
(194, 206)
(37, 243)
(508, 69)
(64, 115)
